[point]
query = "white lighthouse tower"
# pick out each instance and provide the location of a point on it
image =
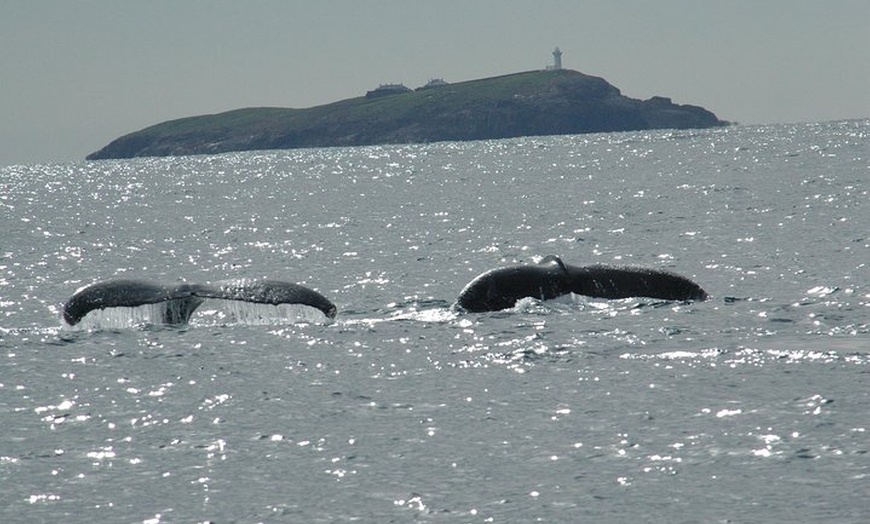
(557, 59)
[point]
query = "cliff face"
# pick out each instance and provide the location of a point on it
(523, 104)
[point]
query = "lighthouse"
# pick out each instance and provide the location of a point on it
(557, 59)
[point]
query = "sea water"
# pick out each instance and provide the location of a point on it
(751, 406)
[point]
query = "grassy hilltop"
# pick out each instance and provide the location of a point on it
(522, 104)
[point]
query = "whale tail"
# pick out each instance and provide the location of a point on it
(176, 304)
(500, 288)
(274, 292)
(554, 262)
(625, 282)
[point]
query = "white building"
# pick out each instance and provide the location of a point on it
(557, 60)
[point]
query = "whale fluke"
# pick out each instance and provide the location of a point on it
(273, 292)
(626, 281)
(181, 300)
(501, 288)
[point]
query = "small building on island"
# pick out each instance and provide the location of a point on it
(387, 90)
(433, 82)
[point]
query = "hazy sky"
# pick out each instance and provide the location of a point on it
(76, 74)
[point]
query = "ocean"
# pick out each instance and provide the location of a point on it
(751, 406)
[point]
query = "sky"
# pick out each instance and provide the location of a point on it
(75, 75)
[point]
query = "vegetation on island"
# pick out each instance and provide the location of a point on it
(551, 102)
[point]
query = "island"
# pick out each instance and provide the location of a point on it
(554, 101)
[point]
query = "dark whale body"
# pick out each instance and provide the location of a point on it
(501, 288)
(180, 301)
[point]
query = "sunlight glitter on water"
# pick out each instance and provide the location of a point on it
(571, 409)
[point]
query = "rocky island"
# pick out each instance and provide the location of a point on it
(548, 102)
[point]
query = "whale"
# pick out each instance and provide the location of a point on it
(500, 288)
(179, 301)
